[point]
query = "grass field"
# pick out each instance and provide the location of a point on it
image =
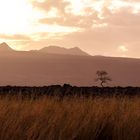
(49, 118)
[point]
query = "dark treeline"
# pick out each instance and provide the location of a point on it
(68, 90)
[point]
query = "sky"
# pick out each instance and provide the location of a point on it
(99, 27)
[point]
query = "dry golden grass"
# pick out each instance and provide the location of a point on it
(70, 119)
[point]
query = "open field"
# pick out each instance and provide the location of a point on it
(73, 118)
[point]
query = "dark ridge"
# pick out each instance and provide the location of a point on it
(68, 90)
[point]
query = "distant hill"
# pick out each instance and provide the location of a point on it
(36, 68)
(64, 51)
(5, 48)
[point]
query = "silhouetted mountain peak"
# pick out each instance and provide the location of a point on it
(64, 51)
(4, 47)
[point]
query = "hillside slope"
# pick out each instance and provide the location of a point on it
(33, 68)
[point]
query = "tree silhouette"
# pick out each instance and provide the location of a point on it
(103, 77)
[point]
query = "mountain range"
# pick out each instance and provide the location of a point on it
(64, 51)
(57, 65)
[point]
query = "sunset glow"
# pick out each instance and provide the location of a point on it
(96, 26)
(16, 16)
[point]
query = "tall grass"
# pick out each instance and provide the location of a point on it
(70, 119)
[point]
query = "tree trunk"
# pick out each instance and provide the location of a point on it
(102, 84)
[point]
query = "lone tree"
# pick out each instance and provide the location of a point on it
(103, 77)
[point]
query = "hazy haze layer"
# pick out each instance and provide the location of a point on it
(39, 68)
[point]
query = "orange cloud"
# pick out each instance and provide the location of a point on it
(47, 5)
(15, 37)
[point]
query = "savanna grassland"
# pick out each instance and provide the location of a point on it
(70, 118)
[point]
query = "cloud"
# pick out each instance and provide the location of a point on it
(122, 48)
(71, 21)
(124, 17)
(57, 13)
(90, 17)
(16, 37)
(103, 25)
(47, 5)
(132, 1)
